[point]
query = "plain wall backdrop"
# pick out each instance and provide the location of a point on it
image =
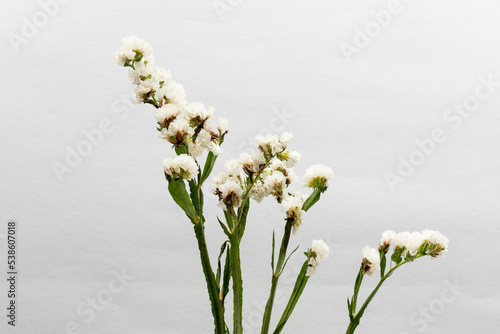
(401, 99)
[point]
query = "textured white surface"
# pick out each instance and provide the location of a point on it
(262, 61)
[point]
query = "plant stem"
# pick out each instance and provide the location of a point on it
(269, 305)
(356, 318)
(217, 308)
(276, 275)
(237, 284)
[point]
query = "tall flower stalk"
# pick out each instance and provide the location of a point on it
(196, 140)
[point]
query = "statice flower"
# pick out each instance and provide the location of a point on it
(291, 205)
(317, 177)
(435, 243)
(316, 254)
(172, 93)
(371, 260)
(386, 240)
(178, 132)
(167, 113)
(182, 166)
(197, 114)
(133, 50)
(229, 193)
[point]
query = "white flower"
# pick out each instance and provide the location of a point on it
(178, 131)
(142, 72)
(223, 125)
(269, 144)
(402, 239)
(292, 206)
(233, 168)
(285, 139)
(278, 165)
(386, 240)
(146, 89)
(162, 75)
(182, 166)
(412, 241)
(196, 113)
(290, 158)
(371, 260)
(438, 240)
(172, 93)
(258, 158)
(259, 191)
(275, 183)
(318, 252)
(229, 194)
(167, 113)
(317, 176)
(134, 48)
(214, 148)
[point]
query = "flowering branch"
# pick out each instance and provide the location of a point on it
(407, 248)
(267, 172)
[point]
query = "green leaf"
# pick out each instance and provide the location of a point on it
(229, 220)
(311, 200)
(227, 275)
(272, 256)
(196, 196)
(300, 284)
(222, 249)
(207, 169)
(286, 261)
(383, 262)
(177, 189)
(224, 228)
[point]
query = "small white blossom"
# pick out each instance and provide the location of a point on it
(182, 166)
(223, 125)
(172, 93)
(292, 206)
(290, 158)
(438, 240)
(229, 194)
(317, 176)
(196, 113)
(386, 240)
(259, 191)
(133, 48)
(142, 72)
(269, 144)
(371, 260)
(275, 183)
(167, 113)
(318, 253)
(178, 131)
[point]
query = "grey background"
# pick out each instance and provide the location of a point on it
(267, 67)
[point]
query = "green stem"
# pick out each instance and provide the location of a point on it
(269, 305)
(217, 308)
(276, 274)
(300, 284)
(356, 316)
(237, 284)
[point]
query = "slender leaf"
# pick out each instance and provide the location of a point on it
(207, 169)
(177, 189)
(286, 261)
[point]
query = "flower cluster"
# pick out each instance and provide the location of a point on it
(316, 254)
(182, 166)
(407, 246)
(266, 172)
(188, 127)
(410, 245)
(317, 176)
